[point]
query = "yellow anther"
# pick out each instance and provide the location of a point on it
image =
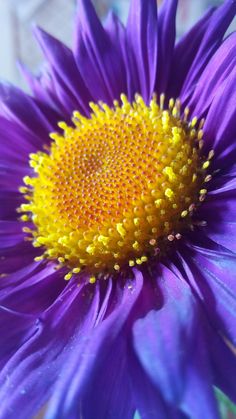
(131, 263)
(38, 258)
(23, 189)
(184, 213)
(92, 279)
(194, 121)
(91, 249)
(76, 270)
(103, 239)
(158, 203)
(169, 193)
(120, 229)
(24, 217)
(68, 276)
(170, 173)
(136, 245)
(171, 103)
(206, 164)
(27, 180)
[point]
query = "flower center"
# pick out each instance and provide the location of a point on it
(117, 187)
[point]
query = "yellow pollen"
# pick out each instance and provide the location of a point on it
(116, 187)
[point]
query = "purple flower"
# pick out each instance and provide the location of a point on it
(133, 202)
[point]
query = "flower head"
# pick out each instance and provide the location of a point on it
(119, 177)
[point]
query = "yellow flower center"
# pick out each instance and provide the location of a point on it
(117, 187)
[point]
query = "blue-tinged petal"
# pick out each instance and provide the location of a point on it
(28, 378)
(166, 42)
(184, 54)
(68, 83)
(147, 397)
(115, 29)
(93, 358)
(113, 396)
(30, 114)
(214, 34)
(214, 75)
(170, 345)
(142, 39)
(220, 127)
(97, 57)
(210, 269)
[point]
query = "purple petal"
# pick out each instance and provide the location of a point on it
(15, 336)
(10, 201)
(69, 85)
(215, 74)
(28, 378)
(13, 137)
(166, 42)
(42, 86)
(32, 289)
(221, 228)
(11, 233)
(147, 398)
(184, 54)
(210, 270)
(97, 58)
(27, 112)
(170, 346)
(220, 127)
(223, 365)
(142, 38)
(93, 358)
(216, 29)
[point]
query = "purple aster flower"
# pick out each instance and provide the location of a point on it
(118, 291)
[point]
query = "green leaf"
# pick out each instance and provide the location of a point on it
(225, 405)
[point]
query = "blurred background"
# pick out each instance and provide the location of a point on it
(56, 16)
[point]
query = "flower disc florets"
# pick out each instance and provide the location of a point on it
(116, 187)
